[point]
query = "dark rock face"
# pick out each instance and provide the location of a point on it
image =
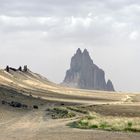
(83, 73)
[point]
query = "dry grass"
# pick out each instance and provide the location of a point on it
(109, 123)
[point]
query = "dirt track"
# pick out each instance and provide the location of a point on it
(34, 126)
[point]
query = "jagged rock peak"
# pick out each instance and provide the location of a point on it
(83, 73)
(85, 52)
(110, 86)
(82, 56)
(78, 51)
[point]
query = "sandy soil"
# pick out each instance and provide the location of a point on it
(35, 125)
(17, 124)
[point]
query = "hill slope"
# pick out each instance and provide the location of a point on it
(32, 89)
(29, 83)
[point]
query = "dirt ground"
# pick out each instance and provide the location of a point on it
(35, 125)
(123, 110)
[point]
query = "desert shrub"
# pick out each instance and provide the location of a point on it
(3, 102)
(94, 126)
(15, 104)
(78, 110)
(104, 125)
(129, 124)
(60, 112)
(35, 106)
(83, 122)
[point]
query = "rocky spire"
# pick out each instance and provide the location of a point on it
(25, 69)
(83, 73)
(110, 86)
(20, 68)
(7, 68)
(78, 51)
(85, 52)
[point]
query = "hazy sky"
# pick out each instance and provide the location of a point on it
(44, 34)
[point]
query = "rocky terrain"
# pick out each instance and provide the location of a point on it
(84, 74)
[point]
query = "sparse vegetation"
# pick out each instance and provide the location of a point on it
(14, 104)
(76, 109)
(108, 123)
(35, 106)
(60, 112)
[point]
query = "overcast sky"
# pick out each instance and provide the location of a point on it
(44, 34)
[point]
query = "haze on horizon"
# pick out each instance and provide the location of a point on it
(44, 34)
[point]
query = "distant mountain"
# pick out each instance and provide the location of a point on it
(84, 74)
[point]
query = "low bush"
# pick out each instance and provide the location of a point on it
(76, 109)
(60, 112)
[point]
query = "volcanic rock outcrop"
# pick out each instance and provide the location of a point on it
(84, 74)
(25, 69)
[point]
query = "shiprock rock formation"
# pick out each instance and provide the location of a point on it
(84, 74)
